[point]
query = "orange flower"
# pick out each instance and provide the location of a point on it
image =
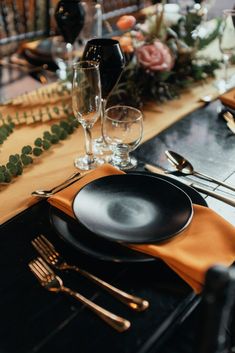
(126, 22)
(125, 42)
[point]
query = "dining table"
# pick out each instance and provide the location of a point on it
(35, 320)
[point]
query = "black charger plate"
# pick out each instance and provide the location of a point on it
(86, 242)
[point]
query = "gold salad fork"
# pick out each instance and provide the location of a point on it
(49, 280)
(52, 257)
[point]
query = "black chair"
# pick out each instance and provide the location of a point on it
(113, 9)
(216, 325)
(22, 20)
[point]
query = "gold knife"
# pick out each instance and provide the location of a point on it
(157, 170)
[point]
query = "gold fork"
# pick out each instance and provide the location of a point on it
(54, 283)
(52, 257)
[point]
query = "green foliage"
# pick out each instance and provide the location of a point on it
(46, 144)
(138, 84)
(37, 151)
(17, 162)
(26, 149)
(38, 142)
(6, 130)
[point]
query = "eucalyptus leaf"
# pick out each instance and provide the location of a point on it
(37, 151)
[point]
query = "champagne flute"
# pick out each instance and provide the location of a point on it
(107, 52)
(227, 44)
(86, 103)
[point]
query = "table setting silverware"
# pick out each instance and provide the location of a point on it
(48, 252)
(185, 167)
(47, 193)
(230, 121)
(53, 283)
(157, 170)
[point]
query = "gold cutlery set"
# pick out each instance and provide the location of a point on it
(52, 282)
(183, 166)
(47, 193)
(201, 188)
(49, 256)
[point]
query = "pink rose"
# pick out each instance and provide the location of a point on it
(126, 22)
(155, 57)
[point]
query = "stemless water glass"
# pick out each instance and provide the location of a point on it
(107, 52)
(122, 131)
(227, 44)
(86, 102)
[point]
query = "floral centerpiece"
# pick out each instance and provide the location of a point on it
(163, 56)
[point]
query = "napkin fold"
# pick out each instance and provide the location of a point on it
(64, 198)
(208, 240)
(228, 98)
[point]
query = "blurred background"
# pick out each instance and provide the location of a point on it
(23, 20)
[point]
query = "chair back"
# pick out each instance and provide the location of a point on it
(116, 8)
(22, 20)
(216, 323)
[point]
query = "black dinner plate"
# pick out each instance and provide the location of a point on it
(133, 208)
(83, 240)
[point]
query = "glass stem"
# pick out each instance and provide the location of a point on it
(103, 106)
(226, 64)
(88, 144)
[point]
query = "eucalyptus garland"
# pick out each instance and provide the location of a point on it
(5, 130)
(17, 162)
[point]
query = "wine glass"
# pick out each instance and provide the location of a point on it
(86, 103)
(64, 55)
(93, 21)
(107, 52)
(227, 45)
(122, 131)
(70, 18)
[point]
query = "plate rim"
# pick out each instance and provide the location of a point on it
(137, 258)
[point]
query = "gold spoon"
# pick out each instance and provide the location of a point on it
(185, 167)
(47, 193)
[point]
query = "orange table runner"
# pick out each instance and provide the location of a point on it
(56, 164)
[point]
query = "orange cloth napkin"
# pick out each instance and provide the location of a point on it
(208, 240)
(64, 198)
(229, 98)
